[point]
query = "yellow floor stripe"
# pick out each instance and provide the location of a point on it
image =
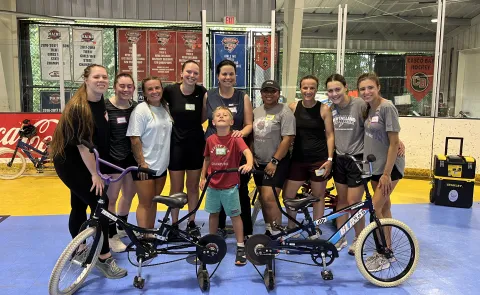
(49, 196)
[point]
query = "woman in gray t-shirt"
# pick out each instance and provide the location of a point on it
(381, 139)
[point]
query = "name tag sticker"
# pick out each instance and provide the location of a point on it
(375, 119)
(334, 112)
(121, 120)
(233, 109)
(189, 107)
(220, 151)
(270, 117)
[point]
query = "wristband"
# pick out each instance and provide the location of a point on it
(330, 159)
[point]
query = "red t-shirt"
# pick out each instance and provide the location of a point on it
(225, 152)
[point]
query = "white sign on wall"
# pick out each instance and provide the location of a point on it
(50, 40)
(87, 50)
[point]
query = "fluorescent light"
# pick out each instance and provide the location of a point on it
(434, 20)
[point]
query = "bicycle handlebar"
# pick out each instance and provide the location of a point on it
(93, 150)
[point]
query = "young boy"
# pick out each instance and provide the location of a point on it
(223, 151)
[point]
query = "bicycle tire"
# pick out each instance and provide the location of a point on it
(3, 168)
(66, 258)
(410, 266)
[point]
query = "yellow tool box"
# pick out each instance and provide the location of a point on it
(453, 178)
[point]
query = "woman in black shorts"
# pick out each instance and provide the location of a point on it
(313, 147)
(119, 107)
(185, 100)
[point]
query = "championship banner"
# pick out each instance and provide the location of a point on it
(232, 47)
(50, 38)
(163, 55)
(189, 46)
(87, 50)
(50, 101)
(126, 38)
(263, 45)
(11, 122)
(419, 75)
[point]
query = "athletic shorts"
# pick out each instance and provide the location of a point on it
(302, 171)
(396, 175)
(345, 171)
(125, 163)
(228, 198)
(278, 179)
(136, 178)
(186, 157)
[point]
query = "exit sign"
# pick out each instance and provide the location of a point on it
(229, 20)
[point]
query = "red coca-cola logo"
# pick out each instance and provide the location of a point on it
(9, 134)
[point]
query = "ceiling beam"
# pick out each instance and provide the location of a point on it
(372, 36)
(360, 18)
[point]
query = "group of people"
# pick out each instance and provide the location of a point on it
(293, 143)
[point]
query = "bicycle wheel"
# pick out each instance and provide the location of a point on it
(380, 270)
(17, 166)
(69, 274)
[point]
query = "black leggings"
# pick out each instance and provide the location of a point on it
(246, 214)
(79, 181)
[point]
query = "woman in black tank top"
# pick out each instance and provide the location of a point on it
(313, 146)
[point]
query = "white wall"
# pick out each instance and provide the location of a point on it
(468, 83)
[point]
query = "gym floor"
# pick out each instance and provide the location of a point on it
(33, 229)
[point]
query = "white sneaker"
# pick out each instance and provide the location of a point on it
(121, 233)
(377, 262)
(116, 244)
(342, 243)
(351, 249)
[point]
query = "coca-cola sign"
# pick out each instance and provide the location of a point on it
(11, 122)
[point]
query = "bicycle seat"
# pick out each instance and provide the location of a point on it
(297, 204)
(175, 201)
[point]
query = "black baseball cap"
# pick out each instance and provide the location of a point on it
(270, 84)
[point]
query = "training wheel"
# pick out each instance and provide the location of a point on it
(269, 279)
(138, 282)
(203, 280)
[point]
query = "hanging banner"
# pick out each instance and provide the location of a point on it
(419, 71)
(87, 50)
(50, 38)
(50, 101)
(163, 55)
(263, 51)
(189, 47)
(231, 47)
(126, 38)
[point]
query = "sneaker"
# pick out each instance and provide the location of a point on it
(351, 249)
(222, 232)
(193, 229)
(377, 262)
(241, 258)
(342, 243)
(110, 269)
(116, 244)
(121, 233)
(316, 236)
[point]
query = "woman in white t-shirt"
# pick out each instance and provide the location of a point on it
(149, 130)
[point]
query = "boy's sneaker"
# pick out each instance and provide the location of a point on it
(110, 269)
(241, 258)
(316, 236)
(193, 229)
(222, 232)
(116, 244)
(342, 243)
(351, 249)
